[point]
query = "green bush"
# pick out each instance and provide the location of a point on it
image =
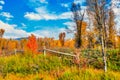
(94, 59)
(113, 60)
(34, 64)
(28, 65)
(88, 75)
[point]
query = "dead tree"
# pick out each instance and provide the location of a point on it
(1, 32)
(78, 17)
(99, 12)
(62, 38)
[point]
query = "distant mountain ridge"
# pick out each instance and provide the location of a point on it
(21, 38)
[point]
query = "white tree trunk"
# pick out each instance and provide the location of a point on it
(103, 53)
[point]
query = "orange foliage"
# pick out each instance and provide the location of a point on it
(32, 43)
(83, 29)
(84, 34)
(117, 41)
(62, 38)
(69, 43)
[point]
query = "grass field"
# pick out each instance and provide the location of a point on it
(39, 67)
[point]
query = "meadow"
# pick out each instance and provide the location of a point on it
(58, 67)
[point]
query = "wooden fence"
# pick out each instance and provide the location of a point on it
(75, 57)
(45, 52)
(67, 54)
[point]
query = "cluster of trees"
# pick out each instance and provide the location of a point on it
(101, 26)
(32, 43)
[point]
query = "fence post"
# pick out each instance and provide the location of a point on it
(15, 51)
(44, 51)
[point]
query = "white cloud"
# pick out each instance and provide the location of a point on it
(1, 7)
(47, 16)
(23, 26)
(64, 5)
(44, 33)
(43, 14)
(79, 1)
(70, 24)
(41, 10)
(7, 15)
(52, 32)
(65, 15)
(12, 32)
(40, 14)
(116, 9)
(43, 1)
(2, 2)
(32, 16)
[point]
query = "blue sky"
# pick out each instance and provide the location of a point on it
(44, 18)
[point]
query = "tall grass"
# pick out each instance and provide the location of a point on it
(89, 74)
(39, 67)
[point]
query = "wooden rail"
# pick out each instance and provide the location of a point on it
(44, 51)
(67, 54)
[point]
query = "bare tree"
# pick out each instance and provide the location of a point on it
(99, 12)
(91, 31)
(1, 32)
(62, 38)
(78, 18)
